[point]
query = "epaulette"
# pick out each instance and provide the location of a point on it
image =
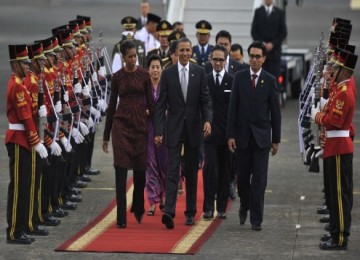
(33, 79)
(193, 61)
(165, 59)
(18, 80)
(343, 88)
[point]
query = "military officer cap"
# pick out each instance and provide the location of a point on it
(60, 28)
(153, 18)
(19, 52)
(65, 38)
(343, 27)
(203, 27)
(48, 46)
(75, 29)
(81, 24)
(36, 51)
(129, 22)
(87, 20)
(56, 45)
(338, 20)
(164, 28)
(174, 36)
(346, 60)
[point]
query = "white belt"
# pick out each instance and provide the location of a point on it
(337, 133)
(19, 127)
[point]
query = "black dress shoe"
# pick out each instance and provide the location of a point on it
(189, 221)
(322, 210)
(208, 215)
(332, 245)
(325, 237)
(80, 184)
(242, 216)
(59, 213)
(50, 221)
(139, 217)
(75, 198)
(68, 205)
(168, 221)
(121, 225)
(222, 215)
(84, 178)
(325, 219)
(327, 227)
(75, 191)
(91, 171)
(39, 231)
(232, 192)
(256, 227)
(23, 240)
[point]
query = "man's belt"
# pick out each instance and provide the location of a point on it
(337, 133)
(19, 127)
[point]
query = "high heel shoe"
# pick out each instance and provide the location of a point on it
(151, 211)
(139, 218)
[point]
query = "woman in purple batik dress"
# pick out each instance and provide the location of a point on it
(157, 156)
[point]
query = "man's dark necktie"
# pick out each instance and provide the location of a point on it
(217, 81)
(163, 55)
(253, 82)
(202, 50)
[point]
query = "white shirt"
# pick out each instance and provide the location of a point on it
(257, 73)
(148, 39)
(268, 8)
(221, 75)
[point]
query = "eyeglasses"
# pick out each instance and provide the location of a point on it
(217, 60)
(257, 56)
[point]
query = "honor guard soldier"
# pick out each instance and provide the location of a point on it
(129, 24)
(22, 140)
(202, 50)
(338, 151)
(146, 34)
(164, 29)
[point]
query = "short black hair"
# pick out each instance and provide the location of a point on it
(127, 45)
(153, 57)
(224, 34)
(183, 39)
(177, 23)
(236, 47)
(258, 45)
(219, 48)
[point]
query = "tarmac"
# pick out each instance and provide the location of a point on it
(291, 228)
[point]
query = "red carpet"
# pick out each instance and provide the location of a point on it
(151, 236)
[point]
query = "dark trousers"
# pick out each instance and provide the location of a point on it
(138, 193)
(18, 190)
(191, 160)
(340, 175)
(90, 148)
(252, 166)
(216, 176)
(326, 184)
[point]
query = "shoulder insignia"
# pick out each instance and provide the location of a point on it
(20, 96)
(344, 88)
(165, 59)
(18, 80)
(33, 79)
(34, 97)
(192, 60)
(339, 104)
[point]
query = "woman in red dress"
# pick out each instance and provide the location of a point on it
(126, 120)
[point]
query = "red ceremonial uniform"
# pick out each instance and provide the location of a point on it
(338, 116)
(19, 111)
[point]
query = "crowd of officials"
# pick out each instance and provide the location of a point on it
(171, 108)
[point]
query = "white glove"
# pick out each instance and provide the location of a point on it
(89, 122)
(58, 107)
(95, 112)
(66, 96)
(41, 150)
(83, 128)
(102, 105)
(77, 136)
(86, 90)
(94, 77)
(42, 111)
(55, 149)
(323, 102)
(319, 154)
(77, 88)
(102, 71)
(314, 111)
(65, 142)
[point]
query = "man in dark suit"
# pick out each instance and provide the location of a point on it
(223, 38)
(217, 156)
(269, 27)
(144, 10)
(202, 50)
(184, 95)
(253, 129)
